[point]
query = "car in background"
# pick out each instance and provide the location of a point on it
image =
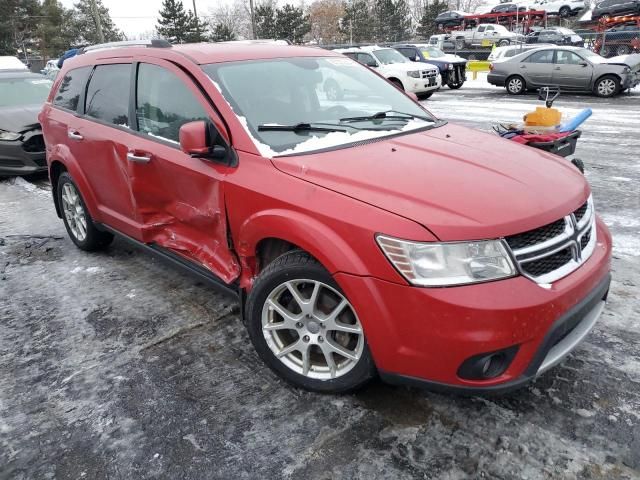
(452, 18)
(615, 8)
(509, 8)
(452, 67)
(12, 63)
(51, 65)
(422, 79)
(564, 8)
(619, 40)
(442, 41)
(570, 68)
(556, 36)
(500, 53)
(22, 95)
(486, 34)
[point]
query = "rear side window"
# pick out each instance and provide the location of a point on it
(71, 88)
(164, 103)
(108, 94)
(545, 56)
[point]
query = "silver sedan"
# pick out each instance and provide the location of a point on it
(570, 68)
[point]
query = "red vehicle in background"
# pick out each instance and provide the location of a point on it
(362, 235)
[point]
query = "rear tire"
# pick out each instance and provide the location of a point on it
(79, 224)
(316, 341)
(459, 43)
(503, 43)
(515, 85)
(565, 12)
(607, 86)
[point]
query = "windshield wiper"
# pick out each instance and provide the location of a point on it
(382, 115)
(298, 127)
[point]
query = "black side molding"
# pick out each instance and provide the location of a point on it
(175, 260)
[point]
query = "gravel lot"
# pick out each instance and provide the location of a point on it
(114, 366)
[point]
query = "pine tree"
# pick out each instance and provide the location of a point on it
(174, 23)
(196, 30)
(83, 25)
(291, 24)
(18, 23)
(222, 33)
(431, 10)
(392, 22)
(357, 22)
(55, 33)
(265, 18)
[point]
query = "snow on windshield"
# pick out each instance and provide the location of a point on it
(324, 93)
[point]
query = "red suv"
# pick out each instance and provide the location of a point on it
(362, 235)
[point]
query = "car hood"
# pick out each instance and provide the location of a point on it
(408, 66)
(448, 58)
(459, 183)
(632, 61)
(19, 119)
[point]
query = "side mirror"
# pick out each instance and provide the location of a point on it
(371, 63)
(416, 58)
(193, 138)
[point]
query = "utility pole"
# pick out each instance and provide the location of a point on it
(195, 15)
(253, 20)
(96, 18)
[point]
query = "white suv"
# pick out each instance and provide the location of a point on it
(418, 77)
(564, 8)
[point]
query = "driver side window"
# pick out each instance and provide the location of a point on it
(164, 103)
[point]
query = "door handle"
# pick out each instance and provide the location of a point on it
(523, 66)
(73, 135)
(557, 68)
(132, 157)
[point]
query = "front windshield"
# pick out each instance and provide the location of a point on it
(431, 52)
(387, 56)
(321, 93)
(19, 91)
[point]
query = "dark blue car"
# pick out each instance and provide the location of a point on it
(452, 67)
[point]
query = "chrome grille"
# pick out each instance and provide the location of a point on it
(553, 251)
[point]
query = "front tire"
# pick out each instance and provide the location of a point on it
(516, 85)
(455, 85)
(79, 224)
(424, 96)
(565, 12)
(607, 86)
(503, 43)
(304, 328)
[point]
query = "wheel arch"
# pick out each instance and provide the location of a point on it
(61, 161)
(396, 79)
(273, 232)
(600, 77)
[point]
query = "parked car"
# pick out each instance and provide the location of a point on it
(422, 79)
(51, 65)
(619, 40)
(615, 8)
(556, 36)
(22, 95)
(452, 67)
(12, 63)
(564, 8)
(570, 68)
(500, 53)
(451, 18)
(509, 8)
(442, 41)
(359, 241)
(486, 34)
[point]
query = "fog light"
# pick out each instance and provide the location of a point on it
(487, 365)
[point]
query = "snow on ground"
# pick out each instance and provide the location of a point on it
(114, 366)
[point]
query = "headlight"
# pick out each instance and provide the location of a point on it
(450, 66)
(8, 136)
(443, 264)
(414, 74)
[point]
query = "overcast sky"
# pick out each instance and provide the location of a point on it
(139, 16)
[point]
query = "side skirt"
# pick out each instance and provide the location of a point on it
(175, 260)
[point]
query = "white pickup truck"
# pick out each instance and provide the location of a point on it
(486, 35)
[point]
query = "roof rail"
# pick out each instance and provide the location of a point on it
(155, 43)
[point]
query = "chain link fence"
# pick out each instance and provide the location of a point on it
(621, 40)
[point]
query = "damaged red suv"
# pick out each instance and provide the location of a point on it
(362, 235)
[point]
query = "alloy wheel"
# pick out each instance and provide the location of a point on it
(606, 87)
(74, 212)
(515, 85)
(312, 329)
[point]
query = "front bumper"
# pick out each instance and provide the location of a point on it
(422, 336)
(24, 156)
(423, 85)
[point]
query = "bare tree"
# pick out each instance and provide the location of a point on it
(325, 16)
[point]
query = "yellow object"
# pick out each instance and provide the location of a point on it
(543, 117)
(478, 66)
